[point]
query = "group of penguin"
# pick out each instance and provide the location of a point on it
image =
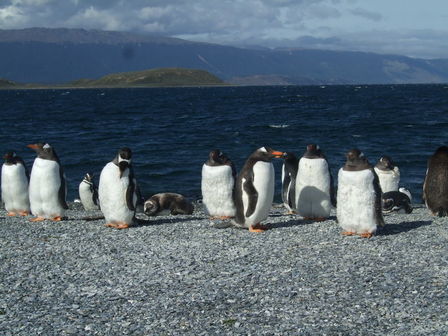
(364, 192)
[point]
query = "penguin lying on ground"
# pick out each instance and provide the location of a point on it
(254, 190)
(397, 201)
(217, 184)
(117, 191)
(388, 174)
(88, 193)
(314, 185)
(289, 174)
(435, 187)
(48, 187)
(359, 197)
(168, 203)
(15, 181)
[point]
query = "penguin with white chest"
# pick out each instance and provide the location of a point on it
(435, 187)
(217, 184)
(289, 174)
(388, 174)
(15, 180)
(88, 192)
(314, 185)
(117, 191)
(254, 190)
(48, 186)
(359, 197)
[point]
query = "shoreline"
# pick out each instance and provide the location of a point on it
(178, 274)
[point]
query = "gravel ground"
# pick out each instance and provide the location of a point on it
(178, 275)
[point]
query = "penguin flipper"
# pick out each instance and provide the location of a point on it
(130, 191)
(95, 196)
(62, 193)
(292, 194)
(378, 203)
(249, 188)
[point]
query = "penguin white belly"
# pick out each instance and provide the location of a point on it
(217, 190)
(313, 188)
(264, 184)
(286, 192)
(86, 196)
(356, 201)
(45, 182)
(15, 188)
(112, 195)
(389, 179)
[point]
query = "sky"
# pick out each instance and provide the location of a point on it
(414, 28)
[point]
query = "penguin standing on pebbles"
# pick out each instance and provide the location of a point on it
(435, 187)
(117, 191)
(254, 190)
(217, 184)
(359, 197)
(48, 187)
(388, 174)
(15, 181)
(314, 185)
(289, 173)
(88, 193)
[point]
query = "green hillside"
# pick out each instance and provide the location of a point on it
(153, 77)
(4, 83)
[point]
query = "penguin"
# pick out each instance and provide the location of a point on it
(88, 193)
(168, 203)
(217, 184)
(289, 173)
(48, 186)
(435, 187)
(117, 191)
(397, 201)
(15, 180)
(359, 197)
(254, 189)
(388, 174)
(314, 185)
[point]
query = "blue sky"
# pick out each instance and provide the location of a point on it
(414, 28)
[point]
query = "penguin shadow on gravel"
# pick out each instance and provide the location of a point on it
(394, 229)
(156, 220)
(298, 221)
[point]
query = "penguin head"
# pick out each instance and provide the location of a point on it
(313, 151)
(217, 158)
(44, 151)
(266, 154)
(123, 159)
(88, 178)
(151, 207)
(385, 163)
(290, 157)
(441, 154)
(356, 160)
(10, 157)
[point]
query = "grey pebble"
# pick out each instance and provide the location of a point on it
(179, 275)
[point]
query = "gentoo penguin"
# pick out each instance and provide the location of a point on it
(359, 196)
(88, 193)
(168, 203)
(117, 191)
(289, 173)
(435, 187)
(254, 189)
(314, 185)
(388, 174)
(217, 184)
(397, 201)
(48, 187)
(15, 180)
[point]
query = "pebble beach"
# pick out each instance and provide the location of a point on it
(173, 275)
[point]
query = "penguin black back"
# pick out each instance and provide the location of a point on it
(435, 188)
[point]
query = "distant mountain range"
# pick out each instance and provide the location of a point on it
(41, 55)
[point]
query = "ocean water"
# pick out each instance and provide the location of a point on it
(171, 130)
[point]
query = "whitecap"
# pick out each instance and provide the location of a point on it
(278, 126)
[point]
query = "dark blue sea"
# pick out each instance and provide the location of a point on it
(171, 130)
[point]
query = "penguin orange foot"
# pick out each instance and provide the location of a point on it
(24, 213)
(366, 235)
(292, 212)
(118, 225)
(37, 219)
(56, 219)
(348, 233)
(11, 214)
(258, 228)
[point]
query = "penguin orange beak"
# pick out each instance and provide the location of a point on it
(278, 154)
(33, 146)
